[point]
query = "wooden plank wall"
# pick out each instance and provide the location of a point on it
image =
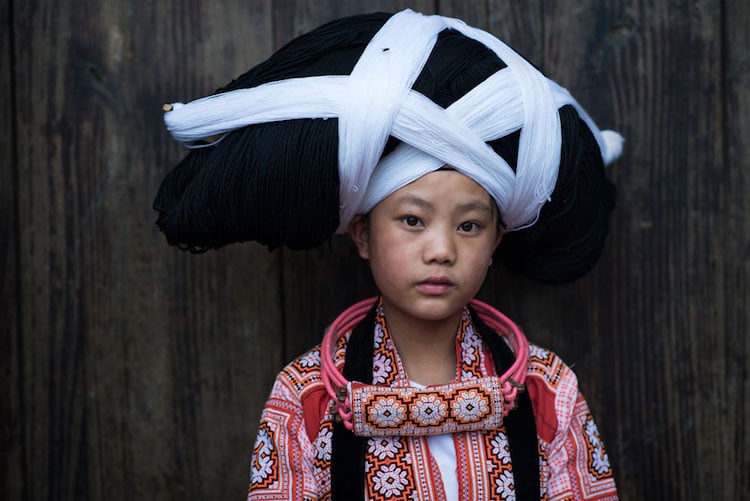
(130, 370)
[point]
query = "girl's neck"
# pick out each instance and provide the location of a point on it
(427, 348)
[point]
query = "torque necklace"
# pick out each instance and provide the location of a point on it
(371, 410)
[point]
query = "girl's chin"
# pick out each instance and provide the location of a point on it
(428, 308)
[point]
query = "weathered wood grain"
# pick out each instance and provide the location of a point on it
(518, 24)
(730, 395)
(144, 369)
(657, 292)
(11, 416)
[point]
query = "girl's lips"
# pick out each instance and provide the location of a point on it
(435, 286)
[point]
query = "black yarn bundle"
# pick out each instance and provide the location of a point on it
(277, 183)
(569, 236)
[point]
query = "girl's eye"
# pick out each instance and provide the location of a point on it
(468, 226)
(411, 220)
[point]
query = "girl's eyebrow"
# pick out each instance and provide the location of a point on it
(474, 205)
(413, 200)
(462, 208)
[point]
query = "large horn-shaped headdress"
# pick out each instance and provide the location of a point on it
(349, 113)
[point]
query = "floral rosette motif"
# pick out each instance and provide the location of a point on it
(428, 410)
(390, 481)
(387, 412)
(385, 447)
(470, 406)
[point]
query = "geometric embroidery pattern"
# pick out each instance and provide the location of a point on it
(498, 465)
(264, 469)
(546, 365)
(598, 460)
(469, 351)
(408, 411)
(591, 456)
(385, 366)
(388, 472)
(303, 371)
(543, 471)
(322, 458)
(323, 448)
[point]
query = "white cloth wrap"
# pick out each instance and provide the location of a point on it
(376, 101)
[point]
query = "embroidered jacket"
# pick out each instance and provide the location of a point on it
(292, 454)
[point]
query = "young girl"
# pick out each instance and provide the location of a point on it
(436, 147)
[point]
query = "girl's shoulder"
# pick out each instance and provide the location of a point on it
(300, 385)
(302, 374)
(547, 367)
(553, 388)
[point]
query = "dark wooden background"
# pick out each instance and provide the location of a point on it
(130, 370)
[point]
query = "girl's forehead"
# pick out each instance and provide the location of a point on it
(441, 187)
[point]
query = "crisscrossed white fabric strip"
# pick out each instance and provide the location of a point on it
(376, 101)
(377, 86)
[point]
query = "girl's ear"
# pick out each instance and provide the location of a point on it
(358, 231)
(498, 239)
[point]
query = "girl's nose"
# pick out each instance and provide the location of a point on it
(439, 247)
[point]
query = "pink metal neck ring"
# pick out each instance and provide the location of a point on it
(338, 387)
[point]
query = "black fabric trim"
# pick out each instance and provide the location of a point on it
(348, 450)
(520, 424)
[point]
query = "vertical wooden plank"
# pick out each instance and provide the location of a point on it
(518, 24)
(11, 417)
(320, 283)
(579, 42)
(732, 401)
(217, 344)
(224, 340)
(294, 17)
(49, 428)
(650, 69)
(144, 369)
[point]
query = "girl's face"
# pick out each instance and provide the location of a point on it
(429, 245)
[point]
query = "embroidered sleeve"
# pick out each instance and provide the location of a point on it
(579, 467)
(282, 460)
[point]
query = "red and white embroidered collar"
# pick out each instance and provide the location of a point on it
(473, 404)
